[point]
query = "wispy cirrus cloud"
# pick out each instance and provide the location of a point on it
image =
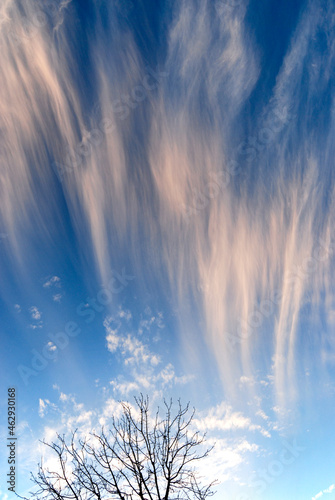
(226, 259)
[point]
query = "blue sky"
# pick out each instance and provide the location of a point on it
(166, 227)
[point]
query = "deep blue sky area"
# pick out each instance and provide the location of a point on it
(272, 24)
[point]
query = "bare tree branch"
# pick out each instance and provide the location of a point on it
(142, 457)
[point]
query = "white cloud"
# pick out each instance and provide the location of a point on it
(53, 281)
(124, 313)
(44, 406)
(113, 341)
(223, 418)
(57, 297)
(51, 346)
(247, 380)
(35, 313)
(223, 463)
(225, 458)
(325, 491)
(111, 407)
(133, 350)
(145, 380)
(147, 323)
(125, 388)
(262, 414)
(141, 362)
(17, 308)
(167, 375)
(36, 316)
(283, 413)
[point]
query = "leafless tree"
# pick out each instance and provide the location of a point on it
(140, 457)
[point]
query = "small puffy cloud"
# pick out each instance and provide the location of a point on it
(51, 347)
(36, 316)
(124, 313)
(150, 320)
(17, 308)
(57, 297)
(84, 417)
(53, 281)
(112, 341)
(144, 365)
(34, 327)
(35, 313)
(134, 351)
(168, 377)
(147, 378)
(262, 414)
(155, 360)
(223, 418)
(124, 388)
(70, 414)
(247, 380)
(112, 407)
(144, 381)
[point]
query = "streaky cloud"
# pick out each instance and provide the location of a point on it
(162, 161)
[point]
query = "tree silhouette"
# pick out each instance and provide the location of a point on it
(140, 457)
